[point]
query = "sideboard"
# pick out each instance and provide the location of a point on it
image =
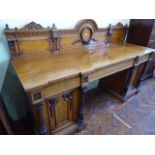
(56, 66)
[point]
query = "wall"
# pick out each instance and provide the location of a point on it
(4, 57)
(10, 87)
(65, 23)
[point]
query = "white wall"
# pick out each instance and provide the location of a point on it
(63, 23)
(4, 56)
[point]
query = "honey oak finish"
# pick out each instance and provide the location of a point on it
(56, 66)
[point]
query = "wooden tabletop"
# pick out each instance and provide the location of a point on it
(38, 70)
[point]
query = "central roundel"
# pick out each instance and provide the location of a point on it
(86, 34)
(86, 29)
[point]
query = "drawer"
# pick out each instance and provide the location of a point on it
(110, 70)
(143, 59)
(59, 87)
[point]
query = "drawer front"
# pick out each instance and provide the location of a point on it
(143, 59)
(110, 70)
(60, 87)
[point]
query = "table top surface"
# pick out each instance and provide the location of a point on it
(38, 70)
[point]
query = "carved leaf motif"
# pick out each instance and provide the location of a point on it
(52, 103)
(68, 98)
(32, 26)
(119, 25)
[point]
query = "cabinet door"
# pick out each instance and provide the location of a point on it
(60, 111)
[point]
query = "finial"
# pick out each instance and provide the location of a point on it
(109, 26)
(109, 32)
(6, 26)
(53, 26)
(119, 25)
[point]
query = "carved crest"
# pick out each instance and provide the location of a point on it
(32, 26)
(119, 25)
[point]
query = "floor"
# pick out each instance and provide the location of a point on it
(105, 115)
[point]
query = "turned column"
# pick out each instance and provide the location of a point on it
(41, 125)
(81, 121)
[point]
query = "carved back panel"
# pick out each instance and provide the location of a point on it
(34, 38)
